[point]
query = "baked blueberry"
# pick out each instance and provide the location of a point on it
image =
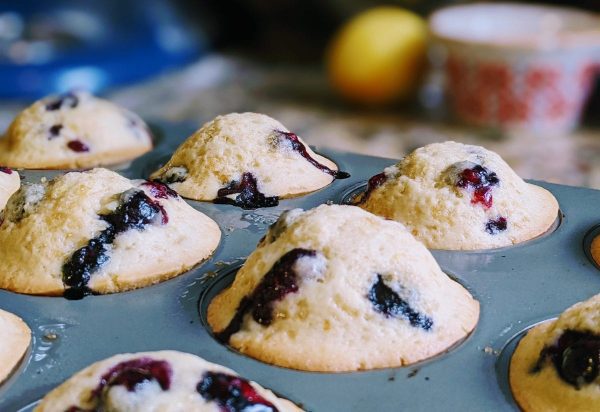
(66, 100)
(78, 146)
(279, 281)
(54, 131)
(247, 195)
(494, 226)
(135, 212)
(388, 302)
(232, 393)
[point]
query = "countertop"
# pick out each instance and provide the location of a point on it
(300, 98)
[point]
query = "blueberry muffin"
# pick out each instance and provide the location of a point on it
(460, 197)
(14, 342)
(98, 232)
(556, 365)
(338, 289)
(248, 160)
(73, 130)
(161, 381)
(9, 184)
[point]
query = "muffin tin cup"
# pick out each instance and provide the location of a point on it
(533, 280)
(505, 356)
(225, 279)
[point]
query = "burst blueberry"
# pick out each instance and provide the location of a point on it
(278, 282)
(481, 181)
(386, 301)
(576, 357)
(135, 212)
(232, 393)
(247, 194)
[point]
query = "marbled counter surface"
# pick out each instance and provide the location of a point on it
(302, 101)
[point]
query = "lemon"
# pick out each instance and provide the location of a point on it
(378, 55)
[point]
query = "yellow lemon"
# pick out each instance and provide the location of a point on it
(378, 55)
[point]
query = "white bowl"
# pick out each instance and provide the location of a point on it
(518, 65)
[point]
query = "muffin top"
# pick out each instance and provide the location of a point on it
(556, 365)
(73, 130)
(460, 197)
(98, 232)
(9, 184)
(246, 159)
(336, 288)
(16, 338)
(160, 381)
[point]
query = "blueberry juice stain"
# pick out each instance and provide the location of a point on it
(373, 183)
(160, 190)
(135, 212)
(297, 146)
(232, 393)
(278, 282)
(129, 374)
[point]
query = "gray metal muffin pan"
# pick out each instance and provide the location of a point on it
(516, 286)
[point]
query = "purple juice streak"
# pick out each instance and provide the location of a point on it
(160, 190)
(6, 170)
(248, 195)
(278, 282)
(374, 183)
(299, 147)
(78, 146)
(164, 216)
(136, 213)
(232, 393)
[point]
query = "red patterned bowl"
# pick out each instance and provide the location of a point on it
(513, 65)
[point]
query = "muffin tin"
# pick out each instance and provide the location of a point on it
(517, 287)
